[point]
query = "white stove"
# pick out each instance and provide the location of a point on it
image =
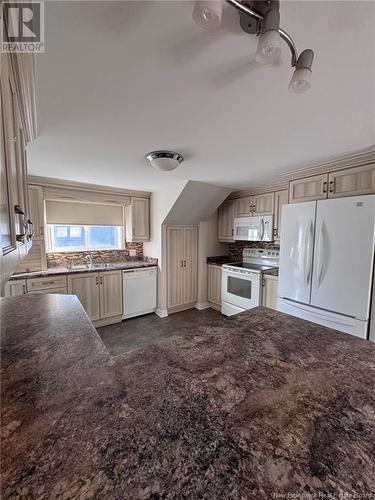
(242, 281)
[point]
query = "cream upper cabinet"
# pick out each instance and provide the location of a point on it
(110, 293)
(281, 198)
(225, 221)
(308, 189)
(352, 181)
(263, 204)
(214, 284)
(182, 266)
(138, 219)
(243, 206)
(269, 292)
(36, 206)
(86, 287)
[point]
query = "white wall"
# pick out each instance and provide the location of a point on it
(161, 203)
(208, 246)
(185, 203)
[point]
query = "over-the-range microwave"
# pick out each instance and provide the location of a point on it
(253, 228)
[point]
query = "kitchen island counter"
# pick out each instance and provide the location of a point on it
(243, 408)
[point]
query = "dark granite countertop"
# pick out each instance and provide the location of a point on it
(53, 271)
(243, 408)
(272, 272)
(219, 260)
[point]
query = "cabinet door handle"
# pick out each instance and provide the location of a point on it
(324, 187)
(24, 289)
(41, 231)
(101, 280)
(275, 232)
(97, 281)
(331, 186)
(184, 263)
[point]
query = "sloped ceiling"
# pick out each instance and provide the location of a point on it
(119, 79)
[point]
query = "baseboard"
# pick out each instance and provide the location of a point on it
(184, 307)
(217, 307)
(162, 313)
(107, 321)
(202, 305)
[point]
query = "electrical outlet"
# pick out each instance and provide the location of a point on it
(133, 253)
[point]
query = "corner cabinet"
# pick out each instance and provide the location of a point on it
(100, 295)
(137, 217)
(226, 221)
(269, 293)
(214, 286)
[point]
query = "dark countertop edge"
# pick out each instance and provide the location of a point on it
(56, 271)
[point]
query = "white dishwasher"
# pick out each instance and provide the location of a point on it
(139, 291)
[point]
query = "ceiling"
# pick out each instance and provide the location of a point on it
(119, 79)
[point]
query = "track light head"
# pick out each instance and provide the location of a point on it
(301, 78)
(268, 50)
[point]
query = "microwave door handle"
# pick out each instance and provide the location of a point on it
(261, 229)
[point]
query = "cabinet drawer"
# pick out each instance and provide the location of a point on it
(47, 282)
(49, 290)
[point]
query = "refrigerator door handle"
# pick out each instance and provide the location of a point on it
(310, 236)
(307, 254)
(320, 256)
(262, 229)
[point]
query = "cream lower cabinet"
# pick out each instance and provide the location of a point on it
(269, 293)
(281, 198)
(16, 287)
(226, 221)
(214, 286)
(110, 294)
(182, 267)
(100, 295)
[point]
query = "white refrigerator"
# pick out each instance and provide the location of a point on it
(327, 262)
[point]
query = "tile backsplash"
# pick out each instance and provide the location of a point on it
(236, 248)
(62, 259)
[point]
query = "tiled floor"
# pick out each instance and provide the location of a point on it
(131, 333)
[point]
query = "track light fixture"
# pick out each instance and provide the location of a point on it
(262, 18)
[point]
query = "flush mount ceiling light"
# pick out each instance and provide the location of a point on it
(164, 161)
(261, 18)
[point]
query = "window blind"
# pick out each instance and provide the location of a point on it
(67, 212)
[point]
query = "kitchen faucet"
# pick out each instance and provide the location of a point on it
(88, 260)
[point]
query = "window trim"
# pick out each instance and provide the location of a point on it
(88, 249)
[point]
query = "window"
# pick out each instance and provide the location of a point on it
(69, 238)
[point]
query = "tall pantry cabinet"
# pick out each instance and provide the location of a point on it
(182, 267)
